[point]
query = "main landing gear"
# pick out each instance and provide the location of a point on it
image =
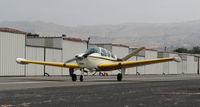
(119, 77)
(74, 77)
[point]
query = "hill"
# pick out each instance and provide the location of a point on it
(172, 35)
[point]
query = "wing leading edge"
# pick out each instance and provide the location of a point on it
(128, 64)
(58, 64)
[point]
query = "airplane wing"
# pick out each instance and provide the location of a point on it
(128, 64)
(58, 64)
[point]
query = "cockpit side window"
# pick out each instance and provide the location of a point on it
(103, 52)
(109, 54)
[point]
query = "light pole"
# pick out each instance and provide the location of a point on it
(88, 41)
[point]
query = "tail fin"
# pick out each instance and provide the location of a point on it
(135, 52)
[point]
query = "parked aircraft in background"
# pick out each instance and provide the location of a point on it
(98, 59)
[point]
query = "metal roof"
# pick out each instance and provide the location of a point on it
(11, 30)
(113, 44)
(120, 45)
(74, 39)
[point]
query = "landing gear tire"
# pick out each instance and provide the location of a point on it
(74, 77)
(81, 78)
(119, 77)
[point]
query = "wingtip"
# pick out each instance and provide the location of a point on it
(178, 59)
(20, 61)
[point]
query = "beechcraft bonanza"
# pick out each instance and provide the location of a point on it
(98, 59)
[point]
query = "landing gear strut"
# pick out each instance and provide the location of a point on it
(82, 73)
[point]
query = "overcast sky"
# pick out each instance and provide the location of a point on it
(93, 12)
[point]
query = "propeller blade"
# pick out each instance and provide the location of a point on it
(86, 55)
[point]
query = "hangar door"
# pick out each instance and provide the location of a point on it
(34, 53)
(53, 55)
(12, 46)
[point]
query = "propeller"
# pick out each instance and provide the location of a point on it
(70, 60)
(87, 54)
(79, 57)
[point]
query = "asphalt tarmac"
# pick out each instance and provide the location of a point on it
(133, 91)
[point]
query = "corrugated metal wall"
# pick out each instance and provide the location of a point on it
(140, 69)
(173, 66)
(198, 65)
(195, 65)
(191, 65)
(133, 69)
(182, 66)
(184, 70)
(139, 56)
(120, 51)
(12, 46)
(70, 50)
(53, 55)
(153, 68)
(34, 53)
(164, 66)
(50, 42)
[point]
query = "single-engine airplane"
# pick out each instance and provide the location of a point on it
(99, 59)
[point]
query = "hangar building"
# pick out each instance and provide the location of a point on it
(54, 49)
(14, 43)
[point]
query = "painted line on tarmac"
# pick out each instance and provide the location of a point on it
(18, 83)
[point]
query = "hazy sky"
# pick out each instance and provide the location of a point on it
(92, 12)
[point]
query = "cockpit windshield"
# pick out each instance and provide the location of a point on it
(92, 50)
(101, 51)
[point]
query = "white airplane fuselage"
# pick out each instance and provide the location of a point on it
(92, 61)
